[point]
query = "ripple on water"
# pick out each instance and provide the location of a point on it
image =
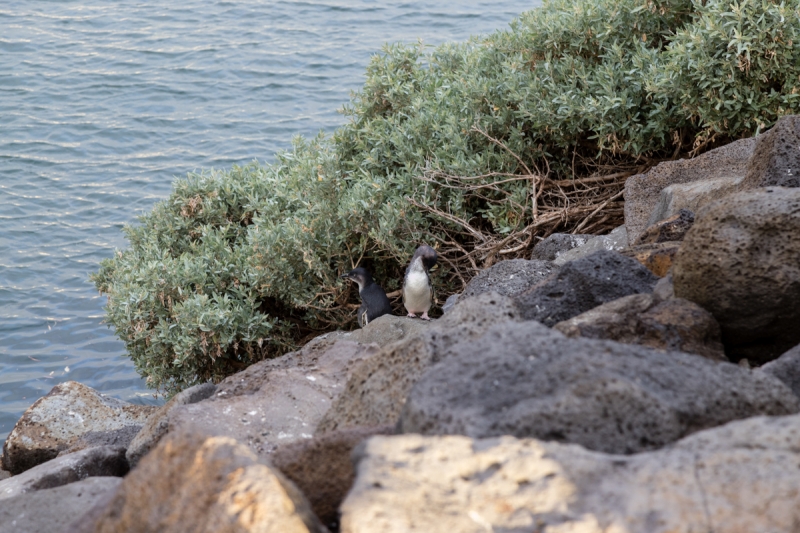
(103, 104)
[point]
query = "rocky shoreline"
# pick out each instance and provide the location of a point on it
(643, 381)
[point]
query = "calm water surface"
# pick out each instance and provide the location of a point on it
(103, 103)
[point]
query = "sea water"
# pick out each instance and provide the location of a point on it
(104, 103)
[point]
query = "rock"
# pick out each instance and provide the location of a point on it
(692, 196)
(387, 329)
(741, 262)
(450, 302)
(377, 388)
(204, 484)
(583, 284)
(664, 289)
(643, 191)
(70, 417)
(677, 325)
(616, 240)
(157, 424)
(278, 401)
(739, 478)
(322, 468)
(525, 380)
(509, 277)
(90, 462)
(47, 511)
(672, 228)
(657, 258)
(556, 244)
(787, 369)
(776, 159)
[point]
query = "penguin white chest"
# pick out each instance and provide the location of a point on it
(417, 293)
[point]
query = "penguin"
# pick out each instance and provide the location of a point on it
(374, 302)
(417, 288)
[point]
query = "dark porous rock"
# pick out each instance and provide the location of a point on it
(583, 284)
(66, 469)
(741, 262)
(657, 258)
(204, 484)
(509, 277)
(387, 329)
(556, 244)
(278, 401)
(786, 368)
(675, 324)
(158, 423)
(643, 191)
(673, 228)
(71, 417)
(617, 239)
(49, 510)
(376, 390)
(525, 380)
(323, 469)
(776, 159)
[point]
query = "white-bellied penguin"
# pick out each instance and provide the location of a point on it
(374, 302)
(417, 288)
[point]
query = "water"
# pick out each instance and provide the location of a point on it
(103, 103)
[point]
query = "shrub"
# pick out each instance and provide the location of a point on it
(476, 148)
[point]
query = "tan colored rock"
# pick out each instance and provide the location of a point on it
(657, 258)
(743, 477)
(741, 262)
(643, 191)
(322, 468)
(387, 329)
(675, 324)
(195, 483)
(279, 401)
(71, 417)
(376, 391)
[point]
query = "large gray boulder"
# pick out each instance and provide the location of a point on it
(509, 277)
(66, 469)
(552, 247)
(70, 417)
(741, 262)
(645, 319)
(643, 191)
(204, 484)
(692, 196)
(583, 284)
(738, 478)
(279, 401)
(377, 388)
(157, 423)
(787, 369)
(49, 510)
(617, 239)
(776, 159)
(526, 380)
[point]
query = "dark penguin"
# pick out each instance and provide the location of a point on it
(417, 289)
(374, 302)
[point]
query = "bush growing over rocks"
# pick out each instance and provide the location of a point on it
(476, 148)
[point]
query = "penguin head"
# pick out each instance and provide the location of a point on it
(427, 256)
(360, 276)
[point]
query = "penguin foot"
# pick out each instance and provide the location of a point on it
(411, 315)
(425, 316)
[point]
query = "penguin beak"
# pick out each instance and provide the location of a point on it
(344, 276)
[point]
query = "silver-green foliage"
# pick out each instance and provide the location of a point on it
(240, 265)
